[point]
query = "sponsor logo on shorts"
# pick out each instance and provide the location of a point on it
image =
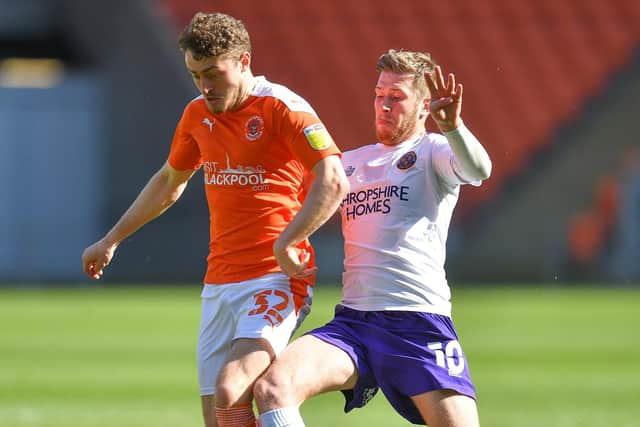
(368, 394)
(318, 137)
(254, 128)
(407, 160)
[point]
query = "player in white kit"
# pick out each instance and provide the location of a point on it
(393, 329)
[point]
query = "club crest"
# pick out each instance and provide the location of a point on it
(407, 160)
(254, 128)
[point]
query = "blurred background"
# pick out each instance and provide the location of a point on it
(91, 91)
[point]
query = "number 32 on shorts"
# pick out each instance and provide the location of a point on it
(448, 356)
(270, 310)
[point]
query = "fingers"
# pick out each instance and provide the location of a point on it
(440, 103)
(430, 84)
(94, 272)
(305, 274)
(437, 86)
(451, 83)
(295, 263)
(93, 269)
(93, 262)
(438, 77)
(458, 94)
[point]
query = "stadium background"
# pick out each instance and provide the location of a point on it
(551, 88)
(90, 92)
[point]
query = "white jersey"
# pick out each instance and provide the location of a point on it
(395, 220)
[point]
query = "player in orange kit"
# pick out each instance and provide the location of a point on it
(255, 141)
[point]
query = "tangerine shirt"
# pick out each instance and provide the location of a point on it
(254, 162)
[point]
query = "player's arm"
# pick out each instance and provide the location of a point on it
(329, 187)
(471, 160)
(162, 191)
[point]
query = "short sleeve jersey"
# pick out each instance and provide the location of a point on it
(254, 161)
(395, 221)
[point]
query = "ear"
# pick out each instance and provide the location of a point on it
(245, 61)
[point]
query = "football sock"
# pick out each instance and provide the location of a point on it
(240, 415)
(282, 417)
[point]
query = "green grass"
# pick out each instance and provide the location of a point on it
(126, 357)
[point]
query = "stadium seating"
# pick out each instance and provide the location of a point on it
(528, 67)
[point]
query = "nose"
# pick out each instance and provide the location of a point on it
(206, 90)
(206, 86)
(386, 108)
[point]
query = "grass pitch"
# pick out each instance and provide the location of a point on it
(115, 356)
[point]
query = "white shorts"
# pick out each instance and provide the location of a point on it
(257, 308)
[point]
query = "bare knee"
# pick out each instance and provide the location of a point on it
(229, 394)
(274, 390)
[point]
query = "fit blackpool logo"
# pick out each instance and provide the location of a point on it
(239, 175)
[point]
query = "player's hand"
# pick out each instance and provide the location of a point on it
(96, 257)
(294, 262)
(445, 105)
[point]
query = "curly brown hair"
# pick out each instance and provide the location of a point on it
(214, 34)
(405, 62)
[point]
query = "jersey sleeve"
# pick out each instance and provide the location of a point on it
(309, 139)
(442, 159)
(185, 153)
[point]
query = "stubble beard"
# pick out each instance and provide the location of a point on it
(402, 132)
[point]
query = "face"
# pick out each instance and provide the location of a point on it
(399, 113)
(219, 79)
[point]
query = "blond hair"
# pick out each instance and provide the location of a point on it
(405, 62)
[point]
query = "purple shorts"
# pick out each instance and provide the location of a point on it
(404, 353)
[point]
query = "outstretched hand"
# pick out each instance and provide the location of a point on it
(96, 257)
(445, 104)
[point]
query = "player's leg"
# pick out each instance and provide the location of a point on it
(266, 314)
(214, 343)
(209, 410)
(447, 408)
(243, 325)
(307, 367)
(418, 360)
(247, 360)
(331, 357)
(231, 405)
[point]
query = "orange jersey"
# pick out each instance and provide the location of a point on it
(254, 160)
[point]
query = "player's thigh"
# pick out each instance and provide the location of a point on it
(243, 326)
(307, 367)
(447, 408)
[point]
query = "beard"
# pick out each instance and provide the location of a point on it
(402, 131)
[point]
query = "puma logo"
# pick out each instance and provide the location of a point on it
(209, 123)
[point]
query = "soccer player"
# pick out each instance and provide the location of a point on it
(393, 328)
(255, 141)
